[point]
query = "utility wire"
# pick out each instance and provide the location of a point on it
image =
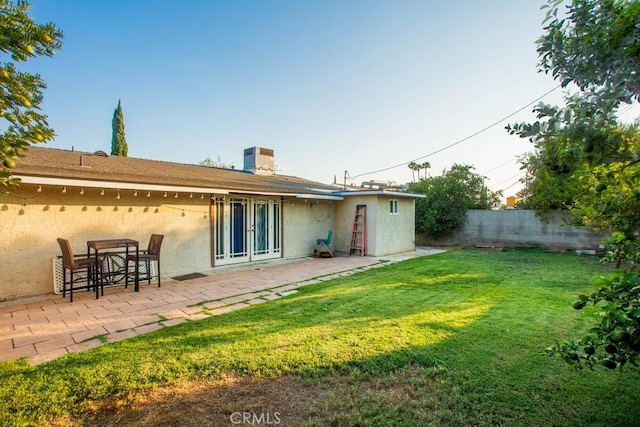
(499, 166)
(461, 140)
(506, 188)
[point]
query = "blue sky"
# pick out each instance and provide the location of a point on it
(329, 85)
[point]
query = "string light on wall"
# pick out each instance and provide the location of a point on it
(81, 191)
(148, 193)
(176, 196)
(191, 196)
(118, 196)
(39, 190)
(135, 193)
(202, 197)
(64, 189)
(165, 194)
(102, 192)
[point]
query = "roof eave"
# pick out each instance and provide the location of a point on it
(41, 180)
(381, 193)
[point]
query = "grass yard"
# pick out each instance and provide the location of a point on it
(450, 339)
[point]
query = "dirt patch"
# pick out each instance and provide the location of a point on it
(338, 399)
(285, 401)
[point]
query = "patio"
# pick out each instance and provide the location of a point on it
(46, 327)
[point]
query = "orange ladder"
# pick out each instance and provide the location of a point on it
(359, 233)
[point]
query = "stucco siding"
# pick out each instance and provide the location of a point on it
(395, 233)
(386, 233)
(304, 222)
(29, 232)
(32, 220)
(346, 215)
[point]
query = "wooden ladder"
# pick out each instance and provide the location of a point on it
(359, 233)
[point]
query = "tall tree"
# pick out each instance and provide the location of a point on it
(448, 197)
(21, 92)
(118, 140)
(425, 166)
(415, 167)
(587, 162)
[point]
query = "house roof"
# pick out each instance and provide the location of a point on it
(63, 167)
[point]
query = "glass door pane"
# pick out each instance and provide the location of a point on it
(219, 226)
(260, 227)
(239, 227)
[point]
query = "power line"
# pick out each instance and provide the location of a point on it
(499, 166)
(461, 140)
(506, 188)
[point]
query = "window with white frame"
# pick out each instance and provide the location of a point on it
(393, 207)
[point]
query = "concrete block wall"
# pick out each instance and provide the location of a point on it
(520, 228)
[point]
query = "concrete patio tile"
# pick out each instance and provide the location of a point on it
(30, 340)
(40, 303)
(99, 314)
(145, 319)
(54, 344)
(171, 314)
(5, 317)
(119, 336)
(196, 301)
(64, 317)
(20, 315)
(48, 328)
(174, 299)
(95, 323)
(6, 345)
(222, 310)
(173, 322)
(234, 299)
(84, 317)
(148, 328)
(113, 305)
(19, 352)
(6, 330)
(192, 310)
(47, 356)
(24, 324)
(86, 345)
(82, 336)
(214, 304)
(271, 297)
(130, 308)
(238, 306)
(120, 326)
(197, 316)
(94, 303)
(71, 329)
(153, 304)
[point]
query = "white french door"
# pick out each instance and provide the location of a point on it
(245, 229)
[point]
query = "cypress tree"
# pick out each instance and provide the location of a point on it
(118, 140)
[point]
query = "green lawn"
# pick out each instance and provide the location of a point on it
(454, 339)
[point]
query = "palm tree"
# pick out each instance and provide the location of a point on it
(414, 167)
(425, 166)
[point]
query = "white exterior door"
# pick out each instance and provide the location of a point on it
(245, 229)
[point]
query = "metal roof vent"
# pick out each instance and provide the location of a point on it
(259, 161)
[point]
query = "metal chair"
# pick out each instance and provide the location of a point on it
(76, 264)
(152, 253)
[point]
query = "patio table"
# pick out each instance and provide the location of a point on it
(99, 245)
